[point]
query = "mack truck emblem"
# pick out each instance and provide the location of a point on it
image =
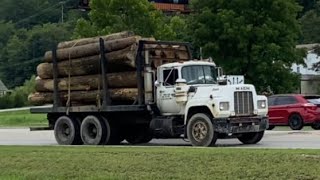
(242, 88)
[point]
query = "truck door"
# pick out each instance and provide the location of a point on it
(166, 96)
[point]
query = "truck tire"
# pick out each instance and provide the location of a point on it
(200, 130)
(140, 135)
(295, 122)
(251, 138)
(271, 127)
(67, 131)
(115, 137)
(94, 131)
(139, 138)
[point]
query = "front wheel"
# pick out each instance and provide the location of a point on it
(251, 138)
(67, 131)
(200, 130)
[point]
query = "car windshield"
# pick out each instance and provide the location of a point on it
(313, 99)
(199, 74)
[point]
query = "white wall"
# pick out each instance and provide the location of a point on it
(309, 60)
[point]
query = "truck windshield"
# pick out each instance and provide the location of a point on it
(199, 74)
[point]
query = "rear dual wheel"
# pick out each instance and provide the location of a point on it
(96, 130)
(67, 131)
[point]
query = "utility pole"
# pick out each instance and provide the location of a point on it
(62, 11)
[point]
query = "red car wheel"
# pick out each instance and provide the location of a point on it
(295, 122)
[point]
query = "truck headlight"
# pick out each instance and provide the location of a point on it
(262, 104)
(224, 106)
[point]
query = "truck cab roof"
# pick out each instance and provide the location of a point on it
(188, 63)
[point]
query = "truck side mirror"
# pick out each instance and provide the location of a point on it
(156, 83)
(222, 80)
(181, 82)
(219, 71)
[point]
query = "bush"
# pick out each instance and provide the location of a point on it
(19, 96)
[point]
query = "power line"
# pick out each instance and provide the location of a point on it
(42, 11)
(21, 63)
(37, 14)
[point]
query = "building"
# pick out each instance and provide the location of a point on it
(310, 79)
(172, 6)
(3, 89)
(167, 6)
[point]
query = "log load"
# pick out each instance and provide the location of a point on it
(124, 94)
(79, 69)
(80, 42)
(90, 82)
(91, 49)
(121, 60)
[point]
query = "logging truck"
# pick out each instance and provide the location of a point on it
(178, 99)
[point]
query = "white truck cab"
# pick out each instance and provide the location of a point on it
(191, 90)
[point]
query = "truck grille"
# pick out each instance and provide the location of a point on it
(243, 103)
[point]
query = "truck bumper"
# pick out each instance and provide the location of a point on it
(236, 125)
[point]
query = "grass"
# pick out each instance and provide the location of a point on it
(21, 119)
(156, 163)
(287, 128)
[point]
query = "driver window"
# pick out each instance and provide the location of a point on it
(169, 77)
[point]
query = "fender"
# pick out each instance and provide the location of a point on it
(211, 106)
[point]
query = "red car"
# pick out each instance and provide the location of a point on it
(295, 110)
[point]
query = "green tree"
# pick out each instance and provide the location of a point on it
(25, 49)
(311, 25)
(139, 16)
(307, 5)
(19, 96)
(7, 29)
(29, 13)
(255, 38)
(27, 30)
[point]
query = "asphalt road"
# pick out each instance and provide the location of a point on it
(272, 139)
(23, 108)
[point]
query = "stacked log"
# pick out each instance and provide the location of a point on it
(79, 71)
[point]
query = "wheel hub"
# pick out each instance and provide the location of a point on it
(295, 122)
(92, 130)
(199, 131)
(65, 130)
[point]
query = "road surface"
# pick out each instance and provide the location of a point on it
(23, 108)
(272, 139)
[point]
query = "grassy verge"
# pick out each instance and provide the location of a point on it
(156, 163)
(287, 128)
(22, 118)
